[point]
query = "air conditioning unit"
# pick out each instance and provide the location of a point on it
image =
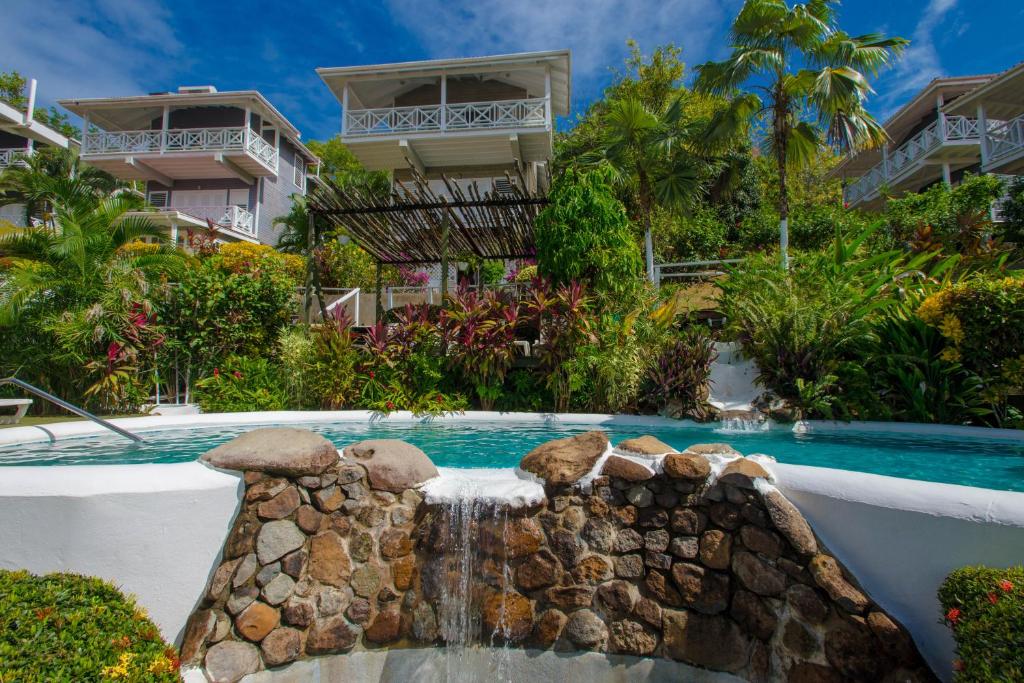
(196, 89)
(504, 186)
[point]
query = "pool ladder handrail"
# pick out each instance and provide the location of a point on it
(68, 406)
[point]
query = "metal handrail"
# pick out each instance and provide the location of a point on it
(67, 406)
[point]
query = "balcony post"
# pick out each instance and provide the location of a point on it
(885, 162)
(164, 126)
(344, 107)
(547, 96)
(942, 117)
(444, 102)
(983, 136)
(85, 130)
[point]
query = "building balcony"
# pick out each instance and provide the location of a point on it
(184, 153)
(10, 156)
(230, 222)
(949, 140)
(1005, 146)
(512, 114)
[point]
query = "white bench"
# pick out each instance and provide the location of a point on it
(21, 404)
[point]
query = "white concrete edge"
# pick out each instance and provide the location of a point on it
(921, 429)
(79, 481)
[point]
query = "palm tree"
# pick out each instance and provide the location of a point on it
(812, 79)
(647, 152)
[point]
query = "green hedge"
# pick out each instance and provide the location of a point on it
(65, 627)
(985, 609)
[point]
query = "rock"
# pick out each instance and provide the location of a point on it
(640, 496)
(361, 546)
(742, 472)
(658, 586)
(424, 623)
(537, 571)
(725, 515)
(298, 612)
(331, 635)
(703, 590)
(508, 615)
(757, 575)
(359, 611)
(629, 567)
(798, 640)
(568, 598)
(586, 630)
(714, 642)
(242, 538)
(599, 535)
(626, 469)
(752, 614)
(221, 628)
(395, 543)
(518, 537)
(684, 547)
(853, 652)
(829, 576)
(808, 672)
(366, 580)
(279, 589)
(716, 549)
(356, 491)
(403, 570)
(617, 596)
(308, 519)
(592, 570)
(277, 539)
(894, 639)
(230, 660)
(198, 629)
(549, 627)
(687, 466)
(631, 638)
(284, 451)
(221, 578)
(256, 621)
(790, 523)
(652, 518)
(564, 461)
(713, 449)
(806, 603)
(645, 445)
(281, 505)
(241, 598)
(328, 561)
(761, 541)
(392, 465)
(656, 540)
(245, 570)
(283, 645)
(267, 574)
(331, 601)
(688, 521)
(626, 514)
(657, 560)
(294, 563)
(329, 499)
(568, 547)
(648, 611)
(385, 627)
(628, 540)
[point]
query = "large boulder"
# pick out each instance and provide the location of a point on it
(275, 450)
(391, 464)
(645, 445)
(565, 461)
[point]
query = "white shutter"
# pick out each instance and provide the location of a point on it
(158, 199)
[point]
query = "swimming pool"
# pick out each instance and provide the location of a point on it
(969, 460)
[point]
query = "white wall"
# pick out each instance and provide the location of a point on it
(901, 538)
(153, 530)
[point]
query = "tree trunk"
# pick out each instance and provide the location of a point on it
(780, 158)
(646, 207)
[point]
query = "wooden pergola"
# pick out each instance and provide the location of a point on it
(415, 224)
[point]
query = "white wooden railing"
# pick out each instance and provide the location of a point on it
(1005, 139)
(180, 140)
(234, 217)
(957, 129)
(10, 156)
(527, 113)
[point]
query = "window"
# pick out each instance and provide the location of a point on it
(158, 199)
(300, 173)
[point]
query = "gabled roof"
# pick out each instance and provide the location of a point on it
(523, 63)
(1003, 97)
(134, 112)
(13, 120)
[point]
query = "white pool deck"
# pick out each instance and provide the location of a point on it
(156, 530)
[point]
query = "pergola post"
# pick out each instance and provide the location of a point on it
(379, 307)
(444, 259)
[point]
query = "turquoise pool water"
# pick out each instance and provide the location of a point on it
(986, 463)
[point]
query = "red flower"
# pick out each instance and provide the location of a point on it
(440, 397)
(237, 374)
(216, 372)
(958, 665)
(953, 615)
(390, 405)
(372, 374)
(113, 351)
(993, 598)
(1006, 586)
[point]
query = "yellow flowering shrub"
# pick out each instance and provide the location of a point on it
(243, 257)
(138, 248)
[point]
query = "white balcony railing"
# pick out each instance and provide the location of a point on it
(1005, 139)
(12, 155)
(957, 129)
(240, 139)
(234, 217)
(465, 116)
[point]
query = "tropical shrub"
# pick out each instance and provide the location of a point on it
(954, 219)
(479, 330)
(65, 627)
(525, 391)
(243, 257)
(1013, 212)
(985, 609)
(562, 315)
(700, 235)
(811, 227)
(334, 360)
(679, 377)
(242, 384)
(606, 371)
(583, 236)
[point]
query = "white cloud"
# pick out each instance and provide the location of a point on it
(92, 48)
(920, 63)
(595, 30)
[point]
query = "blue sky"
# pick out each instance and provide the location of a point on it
(93, 48)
